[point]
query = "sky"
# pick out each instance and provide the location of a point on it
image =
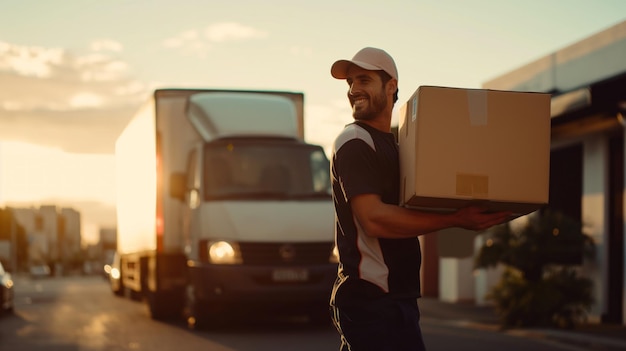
(72, 72)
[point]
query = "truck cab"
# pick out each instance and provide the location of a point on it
(241, 207)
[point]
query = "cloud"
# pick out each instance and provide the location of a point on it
(197, 42)
(100, 67)
(28, 61)
(79, 103)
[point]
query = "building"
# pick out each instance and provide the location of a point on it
(54, 236)
(30, 220)
(70, 240)
(587, 81)
(49, 225)
(108, 244)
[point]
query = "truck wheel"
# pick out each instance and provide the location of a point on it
(198, 316)
(164, 306)
(199, 313)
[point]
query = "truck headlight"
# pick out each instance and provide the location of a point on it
(115, 273)
(334, 255)
(223, 252)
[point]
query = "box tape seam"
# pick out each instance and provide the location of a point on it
(477, 104)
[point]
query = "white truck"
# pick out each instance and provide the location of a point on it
(223, 208)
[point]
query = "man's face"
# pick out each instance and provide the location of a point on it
(366, 94)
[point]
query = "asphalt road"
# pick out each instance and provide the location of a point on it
(81, 314)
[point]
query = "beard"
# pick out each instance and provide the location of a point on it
(376, 105)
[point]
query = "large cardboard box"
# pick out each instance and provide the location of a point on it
(459, 146)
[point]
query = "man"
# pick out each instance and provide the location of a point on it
(374, 300)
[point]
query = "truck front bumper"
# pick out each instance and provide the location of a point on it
(292, 287)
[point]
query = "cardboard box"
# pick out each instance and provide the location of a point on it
(459, 146)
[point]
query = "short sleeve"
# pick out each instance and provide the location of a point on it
(356, 169)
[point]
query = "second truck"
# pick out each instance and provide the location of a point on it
(222, 207)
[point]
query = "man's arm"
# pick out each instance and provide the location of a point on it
(383, 220)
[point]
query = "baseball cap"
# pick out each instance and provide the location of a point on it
(368, 58)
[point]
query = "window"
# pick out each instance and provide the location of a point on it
(265, 168)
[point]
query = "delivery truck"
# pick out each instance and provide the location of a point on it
(223, 208)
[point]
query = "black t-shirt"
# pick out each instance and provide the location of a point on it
(365, 161)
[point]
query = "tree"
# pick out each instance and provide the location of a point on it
(540, 285)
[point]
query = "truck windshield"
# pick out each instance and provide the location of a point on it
(262, 169)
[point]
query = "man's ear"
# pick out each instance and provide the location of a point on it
(392, 86)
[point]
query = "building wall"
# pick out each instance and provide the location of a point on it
(456, 284)
(72, 233)
(50, 223)
(600, 56)
(54, 235)
(38, 249)
(26, 218)
(595, 218)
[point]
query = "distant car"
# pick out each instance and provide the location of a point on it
(6, 291)
(115, 276)
(40, 271)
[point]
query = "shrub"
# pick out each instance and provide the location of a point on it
(561, 299)
(540, 285)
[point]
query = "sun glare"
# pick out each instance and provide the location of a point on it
(31, 173)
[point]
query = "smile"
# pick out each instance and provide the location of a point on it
(360, 101)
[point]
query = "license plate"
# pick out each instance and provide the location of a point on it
(290, 275)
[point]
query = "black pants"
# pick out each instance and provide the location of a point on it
(383, 324)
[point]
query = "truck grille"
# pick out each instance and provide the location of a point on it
(285, 253)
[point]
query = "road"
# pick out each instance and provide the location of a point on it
(81, 314)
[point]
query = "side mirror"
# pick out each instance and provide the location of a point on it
(178, 186)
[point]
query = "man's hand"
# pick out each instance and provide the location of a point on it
(476, 218)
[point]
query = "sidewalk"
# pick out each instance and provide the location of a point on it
(468, 315)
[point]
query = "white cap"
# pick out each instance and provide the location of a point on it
(371, 59)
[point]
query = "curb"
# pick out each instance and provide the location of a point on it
(592, 342)
(580, 339)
